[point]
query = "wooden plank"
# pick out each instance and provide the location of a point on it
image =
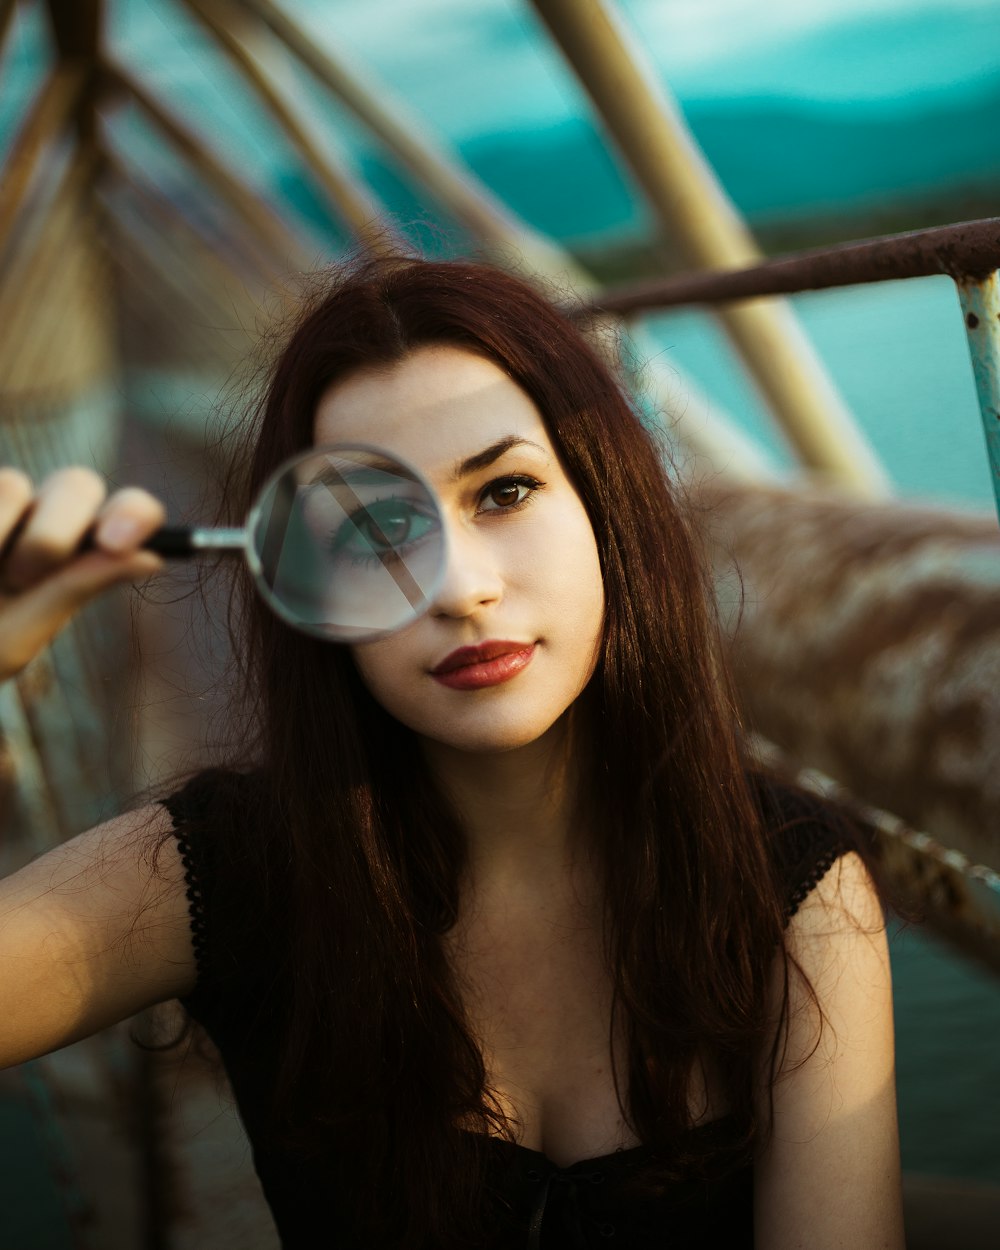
(47, 118)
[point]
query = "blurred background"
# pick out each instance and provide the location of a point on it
(171, 166)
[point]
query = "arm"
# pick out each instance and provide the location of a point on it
(90, 934)
(829, 1178)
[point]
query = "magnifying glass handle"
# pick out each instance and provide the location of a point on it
(172, 541)
(178, 541)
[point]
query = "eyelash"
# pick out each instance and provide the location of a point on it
(532, 484)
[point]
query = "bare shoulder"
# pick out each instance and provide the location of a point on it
(92, 932)
(830, 1173)
(844, 900)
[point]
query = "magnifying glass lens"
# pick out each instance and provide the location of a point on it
(347, 543)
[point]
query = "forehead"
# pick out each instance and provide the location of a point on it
(438, 405)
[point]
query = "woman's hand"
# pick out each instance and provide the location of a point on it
(44, 577)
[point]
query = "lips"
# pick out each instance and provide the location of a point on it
(464, 657)
(489, 664)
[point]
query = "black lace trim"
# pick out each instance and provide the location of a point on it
(197, 913)
(817, 871)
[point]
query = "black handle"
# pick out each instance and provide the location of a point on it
(171, 541)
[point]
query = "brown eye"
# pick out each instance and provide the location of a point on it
(503, 494)
(508, 494)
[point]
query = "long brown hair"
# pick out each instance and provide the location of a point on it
(361, 854)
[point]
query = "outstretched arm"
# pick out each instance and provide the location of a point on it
(90, 934)
(830, 1176)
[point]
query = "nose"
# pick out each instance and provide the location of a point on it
(472, 576)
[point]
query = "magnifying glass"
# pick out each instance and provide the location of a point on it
(344, 542)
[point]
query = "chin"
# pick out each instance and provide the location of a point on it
(488, 743)
(490, 734)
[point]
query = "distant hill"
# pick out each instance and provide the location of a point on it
(779, 162)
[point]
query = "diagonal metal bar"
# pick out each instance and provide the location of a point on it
(438, 170)
(350, 201)
(970, 248)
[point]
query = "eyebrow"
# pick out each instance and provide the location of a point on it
(483, 459)
(373, 473)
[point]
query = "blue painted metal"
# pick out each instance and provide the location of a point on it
(980, 300)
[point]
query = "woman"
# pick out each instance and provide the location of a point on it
(501, 938)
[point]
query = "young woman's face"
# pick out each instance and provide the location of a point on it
(523, 589)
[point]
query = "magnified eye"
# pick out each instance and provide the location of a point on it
(384, 528)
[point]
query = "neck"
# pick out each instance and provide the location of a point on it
(518, 808)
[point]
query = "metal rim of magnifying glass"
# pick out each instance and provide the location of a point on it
(256, 568)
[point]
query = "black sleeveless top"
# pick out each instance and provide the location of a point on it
(538, 1206)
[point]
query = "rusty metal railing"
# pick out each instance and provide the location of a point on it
(968, 253)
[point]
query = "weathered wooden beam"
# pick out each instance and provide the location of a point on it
(50, 259)
(56, 198)
(6, 13)
(76, 26)
(350, 201)
(698, 217)
(48, 117)
(253, 210)
(209, 299)
(438, 171)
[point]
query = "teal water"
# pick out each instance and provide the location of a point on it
(897, 353)
(947, 1015)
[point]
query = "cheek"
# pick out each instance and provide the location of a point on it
(379, 665)
(568, 574)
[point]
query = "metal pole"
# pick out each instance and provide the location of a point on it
(695, 213)
(980, 300)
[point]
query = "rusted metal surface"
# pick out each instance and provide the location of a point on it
(968, 249)
(980, 301)
(865, 641)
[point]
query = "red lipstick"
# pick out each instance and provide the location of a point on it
(489, 664)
